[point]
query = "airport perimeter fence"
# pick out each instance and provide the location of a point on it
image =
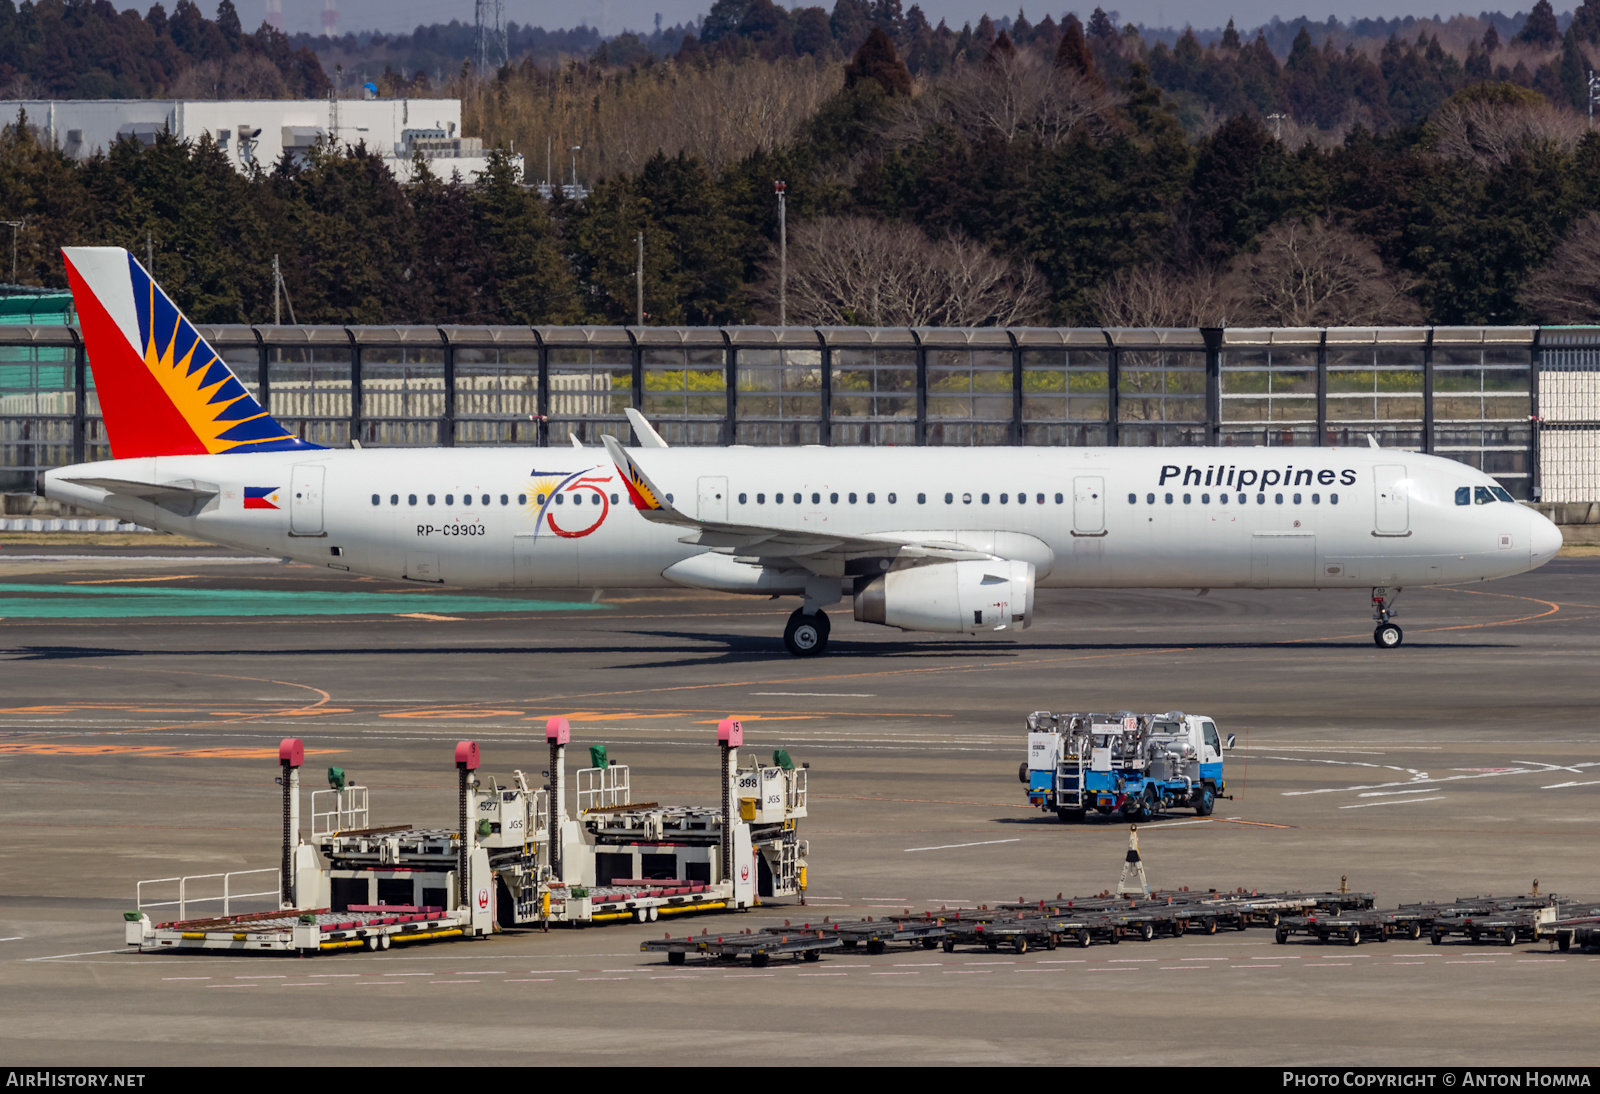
(1520, 403)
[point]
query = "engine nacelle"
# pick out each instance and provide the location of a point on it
(951, 597)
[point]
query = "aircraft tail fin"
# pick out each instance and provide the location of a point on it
(163, 390)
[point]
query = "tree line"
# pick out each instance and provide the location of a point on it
(1026, 186)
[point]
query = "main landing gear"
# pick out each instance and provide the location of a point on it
(806, 634)
(1388, 635)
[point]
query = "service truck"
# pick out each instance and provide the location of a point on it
(1133, 764)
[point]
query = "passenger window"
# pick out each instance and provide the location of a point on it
(1261, 499)
(1482, 495)
(777, 499)
(852, 499)
(1205, 499)
(1003, 498)
(1277, 499)
(411, 499)
(1186, 499)
(613, 499)
(872, 499)
(761, 499)
(1133, 499)
(1463, 495)
(891, 499)
(486, 499)
(540, 499)
(949, 499)
(1058, 499)
(833, 499)
(985, 499)
(742, 499)
(394, 499)
(1316, 499)
(1022, 499)
(376, 500)
(1169, 499)
(504, 500)
(669, 499)
(1503, 494)
(430, 499)
(577, 499)
(1150, 499)
(1333, 499)
(561, 499)
(522, 499)
(449, 499)
(816, 499)
(1297, 499)
(1040, 499)
(922, 499)
(797, 498)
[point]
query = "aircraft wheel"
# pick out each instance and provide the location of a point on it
(1387, 636)
(806, 635)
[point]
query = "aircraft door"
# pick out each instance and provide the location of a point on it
(714, 499)
(305, 501)
(1392, 515)
(1283, 560)
(545, 561)
(1089, 506)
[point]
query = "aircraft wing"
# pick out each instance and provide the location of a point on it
(820, 552)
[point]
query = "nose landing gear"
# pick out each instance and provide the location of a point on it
(806, 634)
(1388, 635)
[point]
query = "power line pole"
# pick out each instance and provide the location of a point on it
(638, 277)
(783, 255)
(277, 305)
(15, 226)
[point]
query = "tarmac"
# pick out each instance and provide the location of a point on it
(144, 689)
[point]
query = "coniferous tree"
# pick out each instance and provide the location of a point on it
(876, 60)
(1541, 28)
(1073, 53)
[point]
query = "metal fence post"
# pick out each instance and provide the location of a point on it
(1113, 382)
(1016, 388)
(1535, 373)
(922, 389)
(447, 426)
(1427, 393)
(825, 426)
(80, 399)
(542, 432)
(1322, 389)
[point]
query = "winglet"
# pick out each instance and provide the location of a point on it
(650, 502)
(648, 437)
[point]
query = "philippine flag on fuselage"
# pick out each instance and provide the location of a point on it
(260, 497)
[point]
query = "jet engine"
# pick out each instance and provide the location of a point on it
(950, 597)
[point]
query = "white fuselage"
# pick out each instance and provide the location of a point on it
(1092, 517)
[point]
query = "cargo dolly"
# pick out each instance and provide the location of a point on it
(1510, 925)
(306, 933)
(1580, 931)
(1351, 927)
(759, 946)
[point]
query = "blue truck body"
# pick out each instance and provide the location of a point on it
(1135, 765)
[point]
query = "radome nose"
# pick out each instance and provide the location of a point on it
(1544, 539)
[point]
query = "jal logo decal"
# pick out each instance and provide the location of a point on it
(483, 900)
(744, 873)
(551, 492)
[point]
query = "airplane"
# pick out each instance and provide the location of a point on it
(940, 540)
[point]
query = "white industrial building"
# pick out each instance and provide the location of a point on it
(258, 131)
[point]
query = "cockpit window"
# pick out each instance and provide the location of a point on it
(1482, 495)
(1463, 495)
(1503, 494)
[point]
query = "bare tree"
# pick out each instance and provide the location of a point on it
(1566, 289)
(1156, 295)
(1490, 133)
(1009, 95)
(853, 271)
(1318, 275)
(246, 76)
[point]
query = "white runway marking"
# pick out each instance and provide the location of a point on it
(1398, 801)
(1171, 824)
(86, 953)
(1552, 786)
(13, 938)
(948, 846)
(821, 695)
